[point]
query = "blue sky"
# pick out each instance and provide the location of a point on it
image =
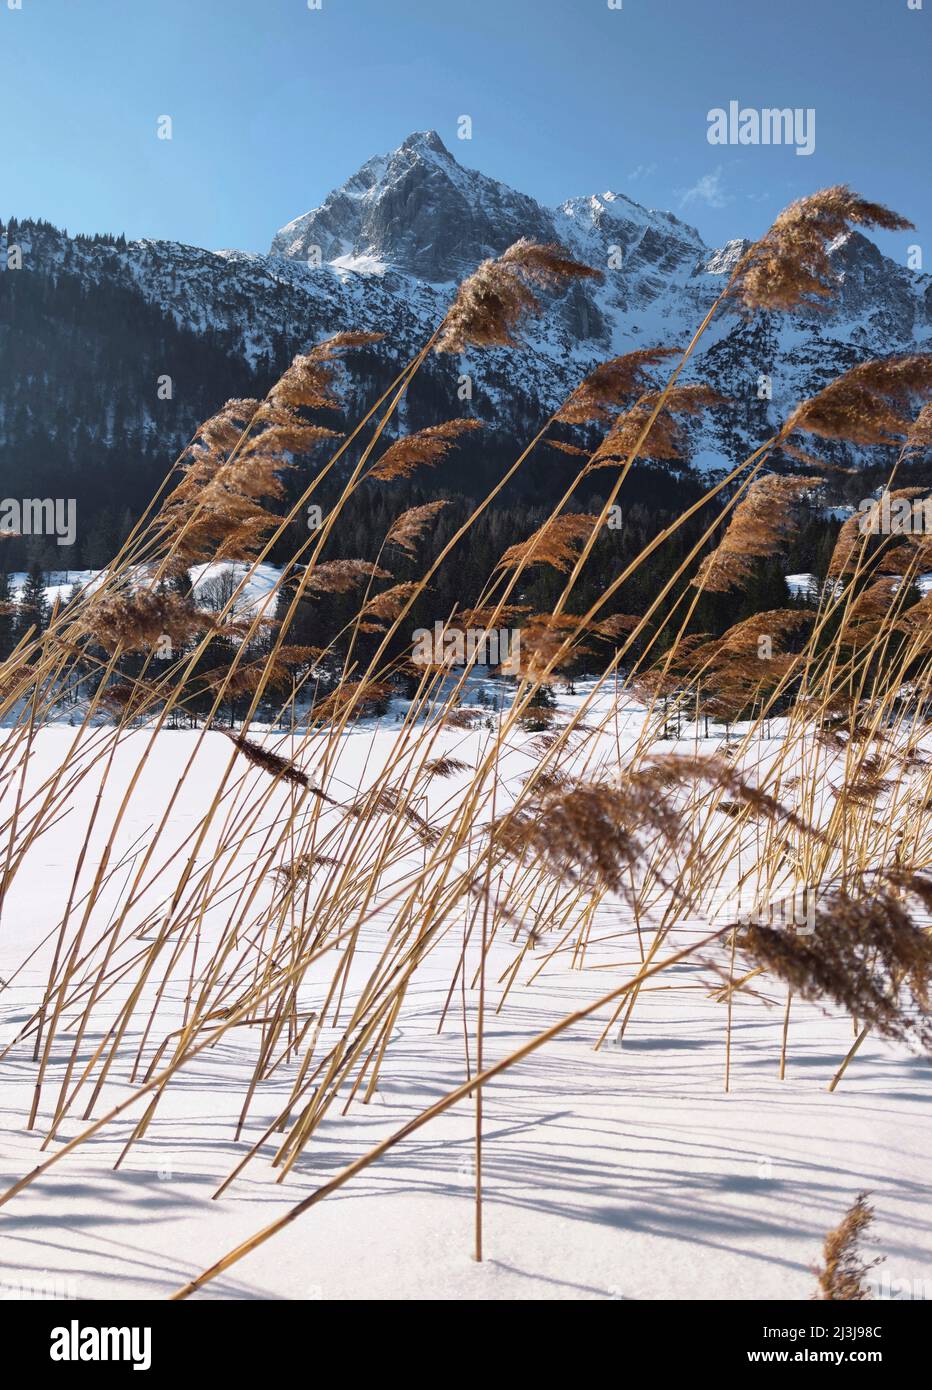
(273, 104)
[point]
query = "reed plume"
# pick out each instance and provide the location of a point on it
(919, 434)
(590, 834)
(303, 867)
(597, 833)
(867, 613)
(552, 544)
(444, 767)
(668, 434)
(849, 544)
(612, 384)
(842, 1276)
(391, 801)
(143, 619)
(493, 303)
(729, 672)
(342, 576)
(849, 541)
(426, 447)
(789, 267)
(272, 763)
(310, 380)
(565, 448)
(869, 403)
(761, 524)
(354, 699)
(865, 955)
(389, 603)
(219, 435)
(543, 635)
(406, 530)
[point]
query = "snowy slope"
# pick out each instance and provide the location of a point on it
(624, 1173)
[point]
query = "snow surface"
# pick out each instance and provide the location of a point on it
(803, 586)
(807, 585)
(618, 1174)
(207, 581)
(61, 583)
(224, 577)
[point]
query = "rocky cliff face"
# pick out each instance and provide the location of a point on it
(417, 210)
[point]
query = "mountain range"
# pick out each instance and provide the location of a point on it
(90, 324)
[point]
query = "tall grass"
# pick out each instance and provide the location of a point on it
(297, 909)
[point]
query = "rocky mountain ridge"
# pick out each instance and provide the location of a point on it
(385, 251)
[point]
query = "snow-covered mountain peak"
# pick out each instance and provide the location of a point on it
(619, 208)
(417, 210)
(723, 259)
(422, 141)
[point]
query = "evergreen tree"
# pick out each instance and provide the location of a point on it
(33, 609)
(7, 615)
